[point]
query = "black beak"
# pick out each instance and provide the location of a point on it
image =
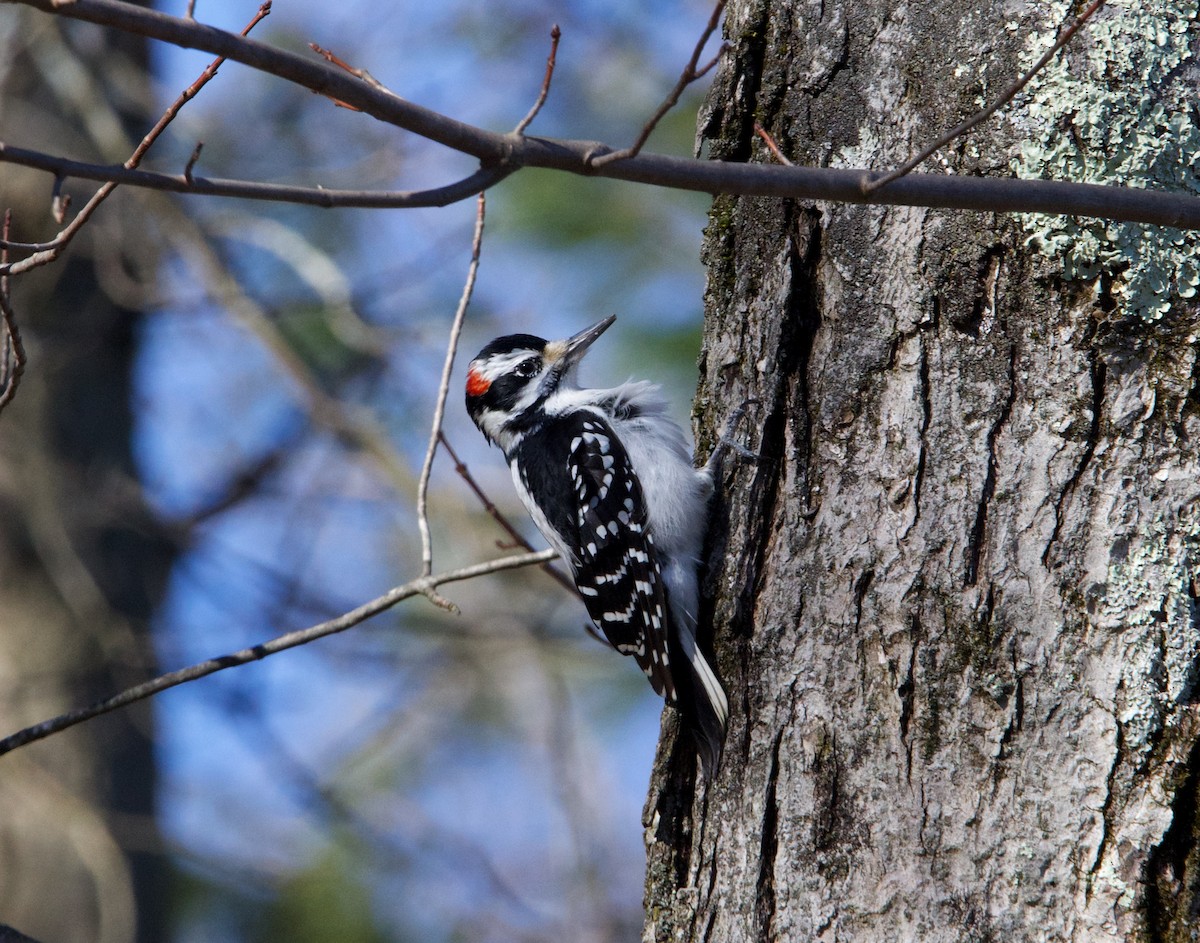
(575, 347)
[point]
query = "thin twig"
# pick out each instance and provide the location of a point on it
(334, 59)
(502, 154)
(771, 145)
(191, 92)
(518, 540)
(14, 348)
(59, 202)
(439, 410)
(63, 239)
(689, 75)
(555, 36)
(21, 247)
(348, 423)
(280, 643)
(712, 63)
(475, 183)
(192, 161)
(870, 185)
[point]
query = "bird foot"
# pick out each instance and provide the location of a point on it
(727, 443)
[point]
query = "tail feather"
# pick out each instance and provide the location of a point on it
(702, 700)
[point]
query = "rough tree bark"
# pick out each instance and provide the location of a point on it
(955, 603)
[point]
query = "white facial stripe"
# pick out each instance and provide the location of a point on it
(491, 422)
(499, 364)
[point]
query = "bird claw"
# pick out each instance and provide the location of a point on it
(740, 451)
(726, 442)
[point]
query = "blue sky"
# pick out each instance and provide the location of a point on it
(508, 730)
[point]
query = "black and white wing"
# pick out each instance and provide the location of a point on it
(586, 499)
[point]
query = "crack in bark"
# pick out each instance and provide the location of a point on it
(842, 62)
(749, 70)
(806, 319)
(986, 295)
(1013, 725)
(1106, 810)
(975, 539)
(827, 796)
(1171, 901)
(704, 903)
(1160, 679)
(1099, 374)
(926, 417)
(1016, 723)
(1190, 403)
(905, 693)
(861, 585)
(1188, 691)
(987, 616)
(790, 403)
(764, 892)
(712, 884)
(699, 843)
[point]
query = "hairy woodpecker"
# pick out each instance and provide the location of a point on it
(608, 478)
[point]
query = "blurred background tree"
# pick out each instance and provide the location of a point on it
(171, 491)
(83, 558)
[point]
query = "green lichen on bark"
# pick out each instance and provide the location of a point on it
(1149, 603)
(1118, 108)
(1150, 583)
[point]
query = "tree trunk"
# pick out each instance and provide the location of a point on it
(955, 602)
(83, 561)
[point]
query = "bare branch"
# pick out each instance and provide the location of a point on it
(870, 185)
(439, 411)
(518, 539)
(189, 93)
(942, 191)
(320, 77)
(840, 185)
(771, 145)
(463, 189)
(358, 73)
(281, 643)
(59, 202)
(191, 164)
(555, 36)
(12, 354)
(347, 421)
(504, 153)
(63, 239)
(687, 77)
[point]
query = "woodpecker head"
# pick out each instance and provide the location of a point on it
(516, 373)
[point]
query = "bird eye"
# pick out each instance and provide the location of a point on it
(527, 368)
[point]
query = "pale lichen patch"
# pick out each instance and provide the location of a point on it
(1118, 109)
(1148, 597)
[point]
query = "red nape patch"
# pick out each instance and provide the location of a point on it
(476, 384)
